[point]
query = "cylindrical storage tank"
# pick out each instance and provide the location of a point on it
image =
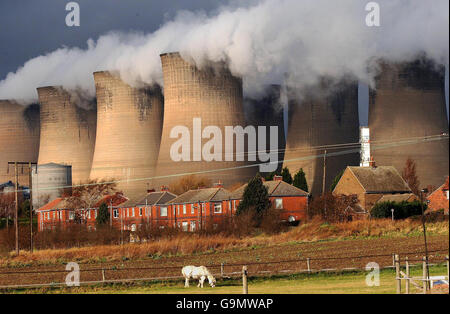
(325, 119)
(212, 94)
(129, 129)
(19, 138)
(50, 181)
(67, 132)
(267, 110)
(407, 105)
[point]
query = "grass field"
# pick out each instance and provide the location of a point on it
(323, 283)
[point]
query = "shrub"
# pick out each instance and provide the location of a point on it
(402, 210)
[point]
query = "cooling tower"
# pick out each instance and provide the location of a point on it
(326, 118)
(267, 110)
(67, 132)
(19, 138)
(128, 133)
(213, 95)
(409, 103)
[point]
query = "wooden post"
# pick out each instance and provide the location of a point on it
(397, 275)
(31, 205)
(103, 274)
(308, 263)
(393, 259)
(221, 270)
(16, 213)
(446, 259)
(424, 275)
(244, 280)
(408, 281)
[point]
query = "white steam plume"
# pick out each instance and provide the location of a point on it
(260, 42)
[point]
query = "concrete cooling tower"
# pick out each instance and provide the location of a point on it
(19, 138)
(128, 133)
(267, 110)
(215, 96)
(409, 103)
(67, 132)
(324, 119)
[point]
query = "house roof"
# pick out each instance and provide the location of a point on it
(152, 198)
(398, 198)
(443, 187)
(55, 204)
(202, 195)
(274, 188)
(383, 179)
(112, 200)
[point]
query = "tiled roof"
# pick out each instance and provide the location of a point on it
(274, 188)
(56, 203)
(380, 179)
(202, 195)
(153, 198)
(114, 200)
(398, 198)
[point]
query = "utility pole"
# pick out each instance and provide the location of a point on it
(323, 182)
(425, 238)
(16, 222)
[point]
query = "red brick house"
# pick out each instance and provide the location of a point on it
(292, 201)
(373, 184)
(439, 199)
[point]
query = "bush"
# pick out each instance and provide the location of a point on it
(401, 210)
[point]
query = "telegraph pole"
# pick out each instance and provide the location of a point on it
(324, 180)
(16, 213)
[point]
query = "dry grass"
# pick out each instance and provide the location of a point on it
(185, 244)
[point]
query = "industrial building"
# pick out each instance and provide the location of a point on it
(67, 134)
(323, 120)
(407, 119)
(129, 125)
(212, 94)
(19, 138)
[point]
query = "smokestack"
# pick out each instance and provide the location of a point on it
(67, 132)
(128, 134)
(409, 103)
(213, 95)
(325, 118)
(19, 137)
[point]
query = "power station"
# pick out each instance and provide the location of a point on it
(67, 132)
(19, 138)
(321, 126)
(212, 94)
(129, 125)
(407, 106)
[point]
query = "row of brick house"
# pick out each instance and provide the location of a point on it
(188, 211)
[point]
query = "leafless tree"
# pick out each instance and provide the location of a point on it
(410, 176)
(187, 183)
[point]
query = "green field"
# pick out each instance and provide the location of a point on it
(324, 283)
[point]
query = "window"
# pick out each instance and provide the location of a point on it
(54, 215)
(116, 213)
(132, 212)
(71, 215)
(163, 211)
(192, 226)
(89, 214)
(192, 209)
(279, 203)
(95, 213)
(140, 211)
(185, 226)
(234, 205)
(184, 209)
(178, 210)
(217, 208)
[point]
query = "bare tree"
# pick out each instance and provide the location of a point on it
(187, 183)
(7, 205)
(410, 176)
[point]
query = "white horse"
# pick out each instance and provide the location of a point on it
(200, 273)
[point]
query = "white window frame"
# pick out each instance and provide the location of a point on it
(216, 206)
(140, 211)
(185, 226)
(192, 209)
(184, 209)
(115, 213)
(193, 225)
(278, 203)
(163, 209)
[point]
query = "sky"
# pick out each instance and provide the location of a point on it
(30, 28)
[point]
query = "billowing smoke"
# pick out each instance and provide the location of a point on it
(261, 42)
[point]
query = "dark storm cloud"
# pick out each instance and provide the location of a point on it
(29, 28)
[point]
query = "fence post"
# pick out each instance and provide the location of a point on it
(446, 259)
(244, 280)
(407, 275)
(103, 274)
(397, 274)
(221, 270)
(393, 259)
(424, 275)
(308, 263)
